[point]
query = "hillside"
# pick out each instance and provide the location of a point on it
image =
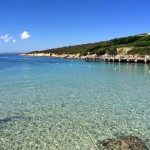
(137, 44)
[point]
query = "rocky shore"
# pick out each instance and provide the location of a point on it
(95, 58)
(52, 55)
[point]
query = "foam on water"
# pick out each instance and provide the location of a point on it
(67, 105)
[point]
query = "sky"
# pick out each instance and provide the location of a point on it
(27, 25)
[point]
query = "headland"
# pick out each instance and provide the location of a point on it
(134, 48)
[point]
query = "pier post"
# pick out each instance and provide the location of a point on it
(127, 59)
(108, 58)
(145, 59)
(113, 58)
(119, 59)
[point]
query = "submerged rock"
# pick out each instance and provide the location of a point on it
(13, 118)
(122, 143)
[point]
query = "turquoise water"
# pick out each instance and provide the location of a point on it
(60, 104)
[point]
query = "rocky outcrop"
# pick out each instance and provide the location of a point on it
(67, 56)
(124, 50)
(36, 54)
(122, 143)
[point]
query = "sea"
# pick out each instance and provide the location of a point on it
(66, 104)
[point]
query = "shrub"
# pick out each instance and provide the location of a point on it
(140, 51)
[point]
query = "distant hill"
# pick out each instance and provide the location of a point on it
(137, 44)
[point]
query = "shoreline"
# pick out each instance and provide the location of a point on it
(52, 55)
(95, 58)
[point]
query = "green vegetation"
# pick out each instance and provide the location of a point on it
(125, 40)
(140, 50)
(140, 45)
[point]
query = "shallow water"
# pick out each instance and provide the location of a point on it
(61, 104)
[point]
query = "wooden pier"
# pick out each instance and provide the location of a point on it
(120, 59)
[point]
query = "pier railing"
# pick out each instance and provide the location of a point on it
(119, 58)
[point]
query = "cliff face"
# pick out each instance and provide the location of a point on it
(124, 50)
(53, 55)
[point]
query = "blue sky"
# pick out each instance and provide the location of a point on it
(27, 25)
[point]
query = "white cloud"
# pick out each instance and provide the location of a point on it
(6, 38)
(14, 41)
(25, 35)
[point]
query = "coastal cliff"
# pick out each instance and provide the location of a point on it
(132, 45)
(53, 55)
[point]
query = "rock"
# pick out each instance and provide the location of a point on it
(122, 143)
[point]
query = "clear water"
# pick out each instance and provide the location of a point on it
(59, 104)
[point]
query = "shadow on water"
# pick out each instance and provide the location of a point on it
(14, 118)
(5, 120)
